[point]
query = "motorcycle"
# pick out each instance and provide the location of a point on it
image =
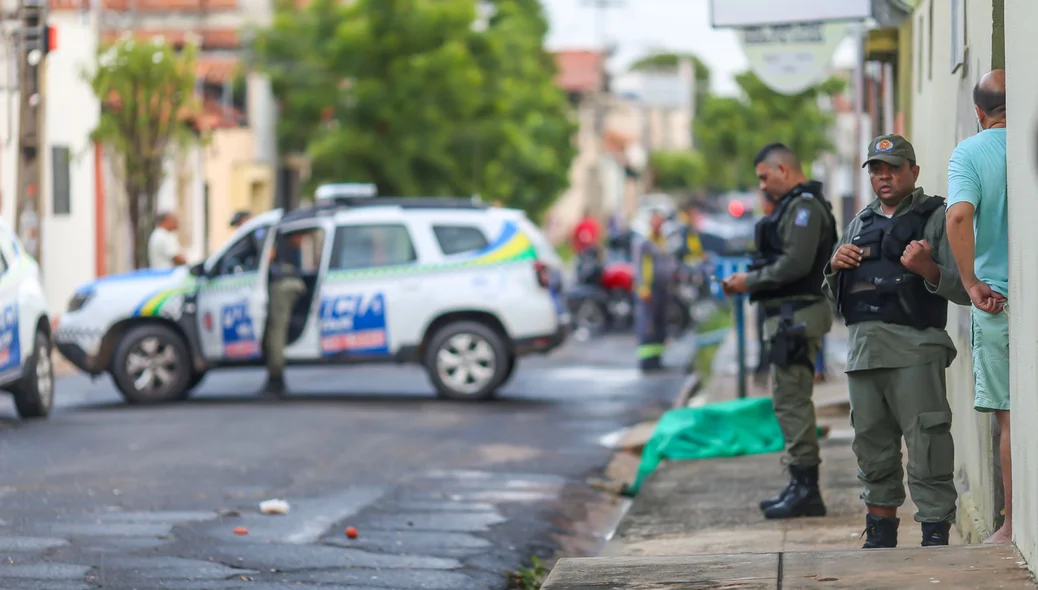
(604, 300)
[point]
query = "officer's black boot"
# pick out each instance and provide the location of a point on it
(935, 533)
(880, 532)
(765, 504)
(274, 388)
(804, 499)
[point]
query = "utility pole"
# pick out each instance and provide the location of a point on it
(33, 36)
(598, 103)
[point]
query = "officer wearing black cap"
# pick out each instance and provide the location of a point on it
(891, 278)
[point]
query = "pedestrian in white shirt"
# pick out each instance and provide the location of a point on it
(163, 245)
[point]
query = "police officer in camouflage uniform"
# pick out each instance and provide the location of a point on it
(654, 268)
(794, 243)
(284, 288)
(892, 277)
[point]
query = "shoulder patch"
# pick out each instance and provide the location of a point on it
(803, 216)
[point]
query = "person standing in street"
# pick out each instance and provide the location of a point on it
(891, 278)
(793, 246)
(163, 245)
(978, 228)
(654, 268)
(285, 288)
(239, 218)
(587, 233)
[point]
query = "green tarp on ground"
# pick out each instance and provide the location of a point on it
(725, 429)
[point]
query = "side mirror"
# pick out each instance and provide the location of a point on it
(197, 270)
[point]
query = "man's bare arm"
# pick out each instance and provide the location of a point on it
(962, 242)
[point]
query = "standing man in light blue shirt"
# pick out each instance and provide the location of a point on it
(978, 230)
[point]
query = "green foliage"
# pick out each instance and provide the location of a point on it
(409, 95)
(528, 578)
(729, 131)
(679, 170)
(147, 93)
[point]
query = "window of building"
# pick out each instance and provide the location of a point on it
(929, 39)
(919, 56)
(371, 246)
(61, 199)
(458, 239)
(958, 34)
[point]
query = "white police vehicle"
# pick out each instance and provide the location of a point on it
(457, 286)
(25, 330)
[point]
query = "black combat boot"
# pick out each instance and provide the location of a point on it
(880, 532)
(765, 504)
(274, 388)
(804, 499)
(935, 533)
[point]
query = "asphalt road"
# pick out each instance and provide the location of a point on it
(444, 495)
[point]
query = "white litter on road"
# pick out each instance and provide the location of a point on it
(274, 506)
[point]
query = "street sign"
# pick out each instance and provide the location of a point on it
(791, 58)
(756, 13)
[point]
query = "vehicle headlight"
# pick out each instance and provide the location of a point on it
(79, 300)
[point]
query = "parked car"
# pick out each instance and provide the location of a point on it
(456, 286)
(26, 371)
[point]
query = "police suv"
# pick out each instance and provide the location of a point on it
(452, 284)
(25, 330)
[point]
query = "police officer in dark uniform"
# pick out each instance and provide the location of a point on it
(793, 246)
(284, 289)
(892, 277)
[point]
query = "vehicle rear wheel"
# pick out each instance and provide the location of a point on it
(196, 378)
(591, 316)
(509, 369)
(34, 392)
(467, 361)
(152, 365)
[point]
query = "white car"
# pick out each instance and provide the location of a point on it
(457, 286)
(25, 330)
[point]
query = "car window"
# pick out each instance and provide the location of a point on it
(457, 239)
(370, 246)
(243, 256)
(304, 247)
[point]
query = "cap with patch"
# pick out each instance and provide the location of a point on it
(892, 149)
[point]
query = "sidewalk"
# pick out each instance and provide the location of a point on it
(696, 524)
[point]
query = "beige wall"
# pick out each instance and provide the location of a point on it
(236, 181)
(1022, 103)
(944, 115)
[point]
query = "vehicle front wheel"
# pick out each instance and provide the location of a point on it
(152, 365)
(34, 392)
(467, 361)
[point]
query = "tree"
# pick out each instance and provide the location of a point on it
(729, 131)
(679, 170)
(147, 96)
(410, 95)
(668, 62)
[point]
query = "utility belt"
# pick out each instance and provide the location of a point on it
(788, 346)
(770, 312)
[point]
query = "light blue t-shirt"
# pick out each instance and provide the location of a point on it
(977, 175)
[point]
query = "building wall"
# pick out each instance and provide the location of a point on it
(945, 97)
(68, 249)
(236, 181)
(8, 134)
(1021, 46)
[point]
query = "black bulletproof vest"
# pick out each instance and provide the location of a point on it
(882, 289)
(770, 246)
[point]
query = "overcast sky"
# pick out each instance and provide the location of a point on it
(639, 27)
